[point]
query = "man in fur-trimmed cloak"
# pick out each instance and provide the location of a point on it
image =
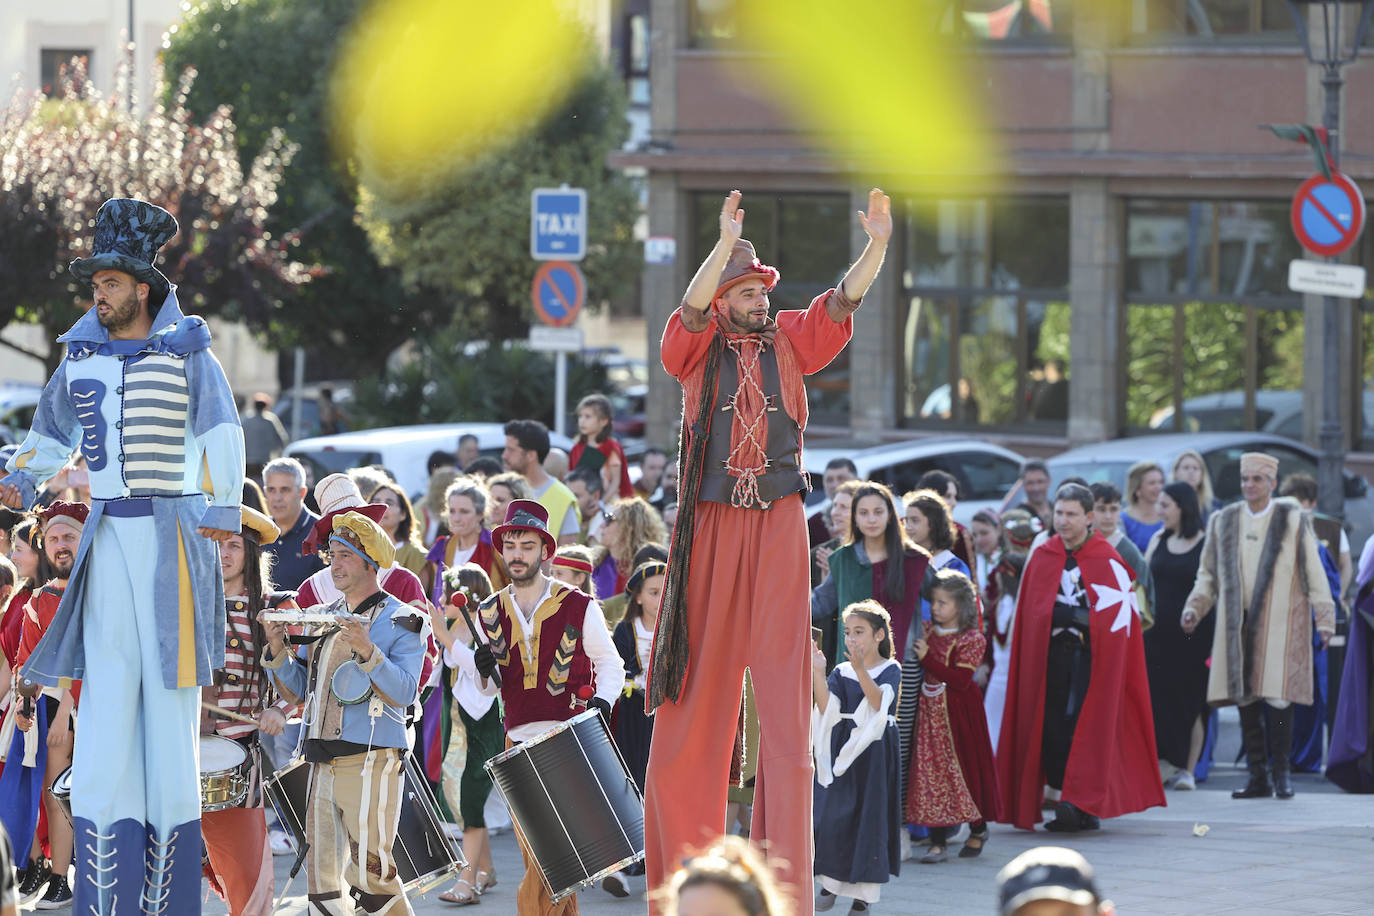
(1261, 569)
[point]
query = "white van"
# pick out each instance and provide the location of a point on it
(402, 450)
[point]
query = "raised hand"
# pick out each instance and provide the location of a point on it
(877, 222)
(732, 219)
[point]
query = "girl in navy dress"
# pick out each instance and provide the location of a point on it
(858, 762)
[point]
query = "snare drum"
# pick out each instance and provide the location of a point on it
(225, 770)
(424, 855)
(574, 801)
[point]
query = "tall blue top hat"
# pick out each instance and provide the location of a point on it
(128, 234)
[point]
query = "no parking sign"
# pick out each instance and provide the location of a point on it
(1328, 214)
(558, 292)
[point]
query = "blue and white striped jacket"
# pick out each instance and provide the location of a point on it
(156, 422)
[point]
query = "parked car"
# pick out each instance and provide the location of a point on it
(18, 401)
(986, 472)
(1277, 412)
(402, 450)
(1221, 452)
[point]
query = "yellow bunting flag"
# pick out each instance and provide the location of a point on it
(881, 83)
(425, 88)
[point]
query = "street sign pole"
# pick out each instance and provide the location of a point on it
(1328, 52)
(560, 392)
(1330, 487)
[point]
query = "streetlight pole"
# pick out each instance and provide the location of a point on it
(1332, 58)
(133, 51)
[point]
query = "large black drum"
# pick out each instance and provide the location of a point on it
(424, 855)
(573, 800)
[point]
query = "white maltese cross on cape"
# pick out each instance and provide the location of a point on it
(1122, 598)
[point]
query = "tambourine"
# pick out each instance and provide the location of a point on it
(307, 618)
(350, 684)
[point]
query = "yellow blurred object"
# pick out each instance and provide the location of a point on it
(879, 82)
(423, 88)
(1200, 829)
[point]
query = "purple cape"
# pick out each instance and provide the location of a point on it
(1349, 764)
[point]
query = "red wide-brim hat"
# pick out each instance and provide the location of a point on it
(742, 265)
(319, 535)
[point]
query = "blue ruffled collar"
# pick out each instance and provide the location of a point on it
(173, 333)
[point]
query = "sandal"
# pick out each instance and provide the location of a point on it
(485, 880)
(456, 898)
(971, 851)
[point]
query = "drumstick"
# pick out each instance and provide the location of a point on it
(226, 714)
(460, 601)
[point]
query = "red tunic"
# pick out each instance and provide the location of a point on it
(953, 778)
(607, 448)
(13, 624)
(1113, 768)
(38, 615)
(542, 685)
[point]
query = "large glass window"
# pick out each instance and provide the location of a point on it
(1208, 248)
(1213, 336)
(712, 22)
(1223, 366)
(806, 236)
(1008, 20)
(52, 61)
(985, 338)
(1212, 19)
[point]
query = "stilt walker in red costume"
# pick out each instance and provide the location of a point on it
(738, 577)
(1077, 715)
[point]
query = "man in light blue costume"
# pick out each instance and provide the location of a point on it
(142, 620)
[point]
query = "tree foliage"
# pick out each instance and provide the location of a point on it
(269, 62)
(468, 238)
(64, 157)
(447, 380)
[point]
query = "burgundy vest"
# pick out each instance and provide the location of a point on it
(543, 685)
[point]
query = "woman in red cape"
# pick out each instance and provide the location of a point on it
(1112, 766)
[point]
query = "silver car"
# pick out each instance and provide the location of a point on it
(1221, 452)
(986, 472)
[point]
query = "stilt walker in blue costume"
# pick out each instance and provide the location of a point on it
(142, 620)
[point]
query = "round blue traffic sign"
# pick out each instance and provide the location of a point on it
(558, 292)
(1328, 214)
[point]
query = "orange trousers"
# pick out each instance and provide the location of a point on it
(748, 605)
(240, 860)
(532, 897)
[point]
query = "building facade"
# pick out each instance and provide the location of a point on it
(1125, 273)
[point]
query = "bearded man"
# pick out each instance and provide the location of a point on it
(142, 620)
(737, 591)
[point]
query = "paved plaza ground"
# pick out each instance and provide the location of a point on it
(1311, 856)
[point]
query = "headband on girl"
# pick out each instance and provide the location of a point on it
(574, 564)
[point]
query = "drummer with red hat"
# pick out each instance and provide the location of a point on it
(551, 645)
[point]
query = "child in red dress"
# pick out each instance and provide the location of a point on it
(953, 778)
(594, 447)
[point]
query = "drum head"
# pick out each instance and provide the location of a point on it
(350, 684)
(218, 754)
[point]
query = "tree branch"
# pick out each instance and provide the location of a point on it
(41, 357)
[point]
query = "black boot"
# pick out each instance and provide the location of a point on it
(1281, 747)
(1252, 734)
